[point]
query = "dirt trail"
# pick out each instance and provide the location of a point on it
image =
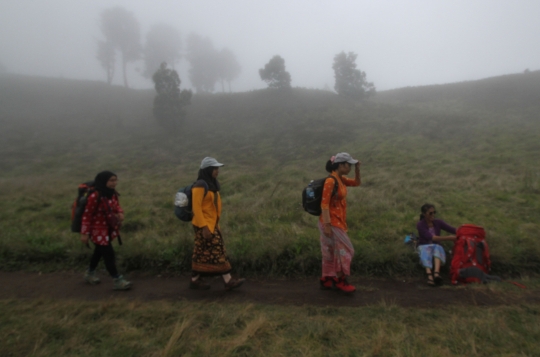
(406, 293)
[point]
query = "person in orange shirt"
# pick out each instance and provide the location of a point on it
(336, 247)
(209, 256)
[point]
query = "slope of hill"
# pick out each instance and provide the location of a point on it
(497, 93)
(471, 148)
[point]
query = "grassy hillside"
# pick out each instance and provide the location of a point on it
(470, 148)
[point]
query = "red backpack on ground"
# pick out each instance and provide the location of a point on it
(471, 254)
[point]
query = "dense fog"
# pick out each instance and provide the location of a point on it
(397, 43)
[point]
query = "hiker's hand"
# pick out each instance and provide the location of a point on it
(120, 217)
(206, 233)
(327, 229)
(85, 238)
(357, 166)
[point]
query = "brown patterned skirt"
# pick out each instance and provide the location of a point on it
(209, 256)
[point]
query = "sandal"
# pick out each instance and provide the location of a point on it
(430, 280)
(437, 278)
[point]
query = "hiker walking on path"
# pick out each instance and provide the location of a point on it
(336, 247)
(431, 253)
(101, 222)
(209, 255)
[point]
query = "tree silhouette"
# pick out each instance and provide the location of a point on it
(229, 68)
(169, 102)
(204, 61)
(274, 73)
(121, 30)
(163, 44)
(107, 58)
(350, 82)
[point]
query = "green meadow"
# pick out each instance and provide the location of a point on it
(470, 148)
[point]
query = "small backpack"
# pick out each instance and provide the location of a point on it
(77, 209)
(183, 207)
(470, 259)
(312, 195)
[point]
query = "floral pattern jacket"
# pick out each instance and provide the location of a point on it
(94, 219)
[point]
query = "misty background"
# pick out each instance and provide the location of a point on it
(398, 43)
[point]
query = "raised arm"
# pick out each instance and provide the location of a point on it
(353, 182)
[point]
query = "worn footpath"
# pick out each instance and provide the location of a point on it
(402, 292)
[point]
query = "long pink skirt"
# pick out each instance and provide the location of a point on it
(337, 252)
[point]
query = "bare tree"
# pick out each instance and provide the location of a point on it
(107, 58)
(122, 31)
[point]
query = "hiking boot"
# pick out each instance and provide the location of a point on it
(327, 283)
(122, 284)
(91, 278)
(234, 283)
(343, 285)
(198, 284)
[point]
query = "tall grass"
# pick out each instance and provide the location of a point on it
(476, 163)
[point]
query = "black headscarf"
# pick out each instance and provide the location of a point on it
(206, 175)
(100, 183)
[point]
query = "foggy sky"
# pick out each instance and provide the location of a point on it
(399, 43)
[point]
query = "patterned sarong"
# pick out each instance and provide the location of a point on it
(209, 256)
(427, 252)
(337, 252)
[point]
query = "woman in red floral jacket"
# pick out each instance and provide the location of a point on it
(101, 223)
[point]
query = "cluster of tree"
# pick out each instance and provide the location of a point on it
(209, 65)
(350, 82)
(163, 44)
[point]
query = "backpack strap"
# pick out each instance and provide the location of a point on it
(336, 185)
(201, 183)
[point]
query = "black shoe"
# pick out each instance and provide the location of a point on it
(234, 283)
(437, 278)
(430, 280)
(198, 284)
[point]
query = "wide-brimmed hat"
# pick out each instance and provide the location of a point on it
(210, 161)
(344, 157)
